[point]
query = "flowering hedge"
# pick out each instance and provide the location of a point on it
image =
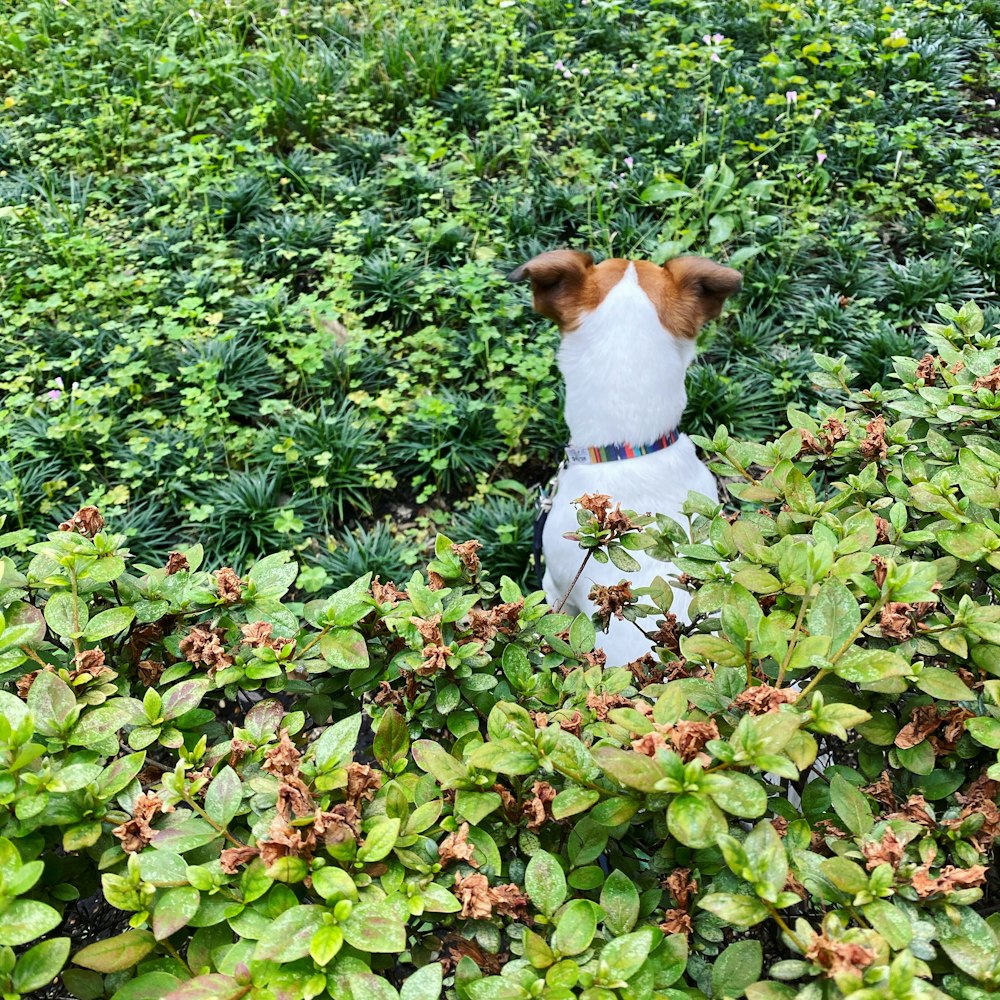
(440, 788)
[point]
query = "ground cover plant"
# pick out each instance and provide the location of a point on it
(253, 253)
(439, 788)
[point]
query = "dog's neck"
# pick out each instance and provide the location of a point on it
(624, 373)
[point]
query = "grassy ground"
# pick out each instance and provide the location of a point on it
(252, 257)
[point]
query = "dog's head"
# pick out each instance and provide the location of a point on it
(687, 292)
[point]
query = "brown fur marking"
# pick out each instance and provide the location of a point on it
(687, 292)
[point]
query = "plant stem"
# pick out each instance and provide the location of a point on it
(569, 590)
(211, 822)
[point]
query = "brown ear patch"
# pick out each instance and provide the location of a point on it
(558, 283)
(695, 291)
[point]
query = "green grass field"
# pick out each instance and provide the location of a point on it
(252, 257)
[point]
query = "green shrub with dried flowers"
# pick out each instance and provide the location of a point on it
(440, 788)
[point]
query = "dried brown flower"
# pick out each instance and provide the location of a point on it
(229, 585)
(177, 562)
(538, 808)
(136, 832)
(688, 738)
(611, 600)
(991, 380)
(466, 552)
(927, 369)
(387, 593)
(90, 661)
(150, 671)
(203, 645)
(474, 892)
(233, 858)
(763, 698)
(676, 921)
(601, 704)
(836, 957)
(362, 783)
(435, 659)
(948, 879)
(86, 521)
(874, 446)
(456, 847)
(881, 790)
(889, 850)
(486, 623)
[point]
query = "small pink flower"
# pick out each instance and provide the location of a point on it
(718, 39)
(820, 157)
(791, 96)
(629, 162)
(567, 74)
(54, 394)
(59, 382)
(714, 57)
(585, 71)
(560, 65)
(817, 113)
(707, 39)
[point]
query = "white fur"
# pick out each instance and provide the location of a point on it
(624, 378)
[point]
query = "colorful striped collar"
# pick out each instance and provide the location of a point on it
(576, 455)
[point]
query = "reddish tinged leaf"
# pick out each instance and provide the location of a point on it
(211, 987)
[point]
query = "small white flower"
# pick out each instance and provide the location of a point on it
(195, 15)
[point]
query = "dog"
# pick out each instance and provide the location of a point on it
(628, 330)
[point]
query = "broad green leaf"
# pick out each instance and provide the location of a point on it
(66, 614)
(576, 927)
(174, 910)
(374, 927)
(39, 965)
(736, 968)
(851, 806)
(695, 820)
(739, 794)
(115, 954)
(545, 882)
(224, 796)
(626, 954)
(943, 684)
(345, 649)
(731, 908)
(337, 744)
(290, 934)
(424, 984)
(620, 902)
(392, 739)
(109, 622)
(379, 840)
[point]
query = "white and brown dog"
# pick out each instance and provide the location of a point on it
(628, 336)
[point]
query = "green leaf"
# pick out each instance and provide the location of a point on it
(475, 806)
(736, 968)
(148, 986)
(739, 794)
(224, 796)
(109, 622)
(943, 684)
(174, 910)
(625, 955)
(621, 558)
(337, 744)
(290, 934)
(116, 954)
(60, 617)
(620, 902)
(325, 944)
(424, 984)
(865, 666)
(571, 801)
(983, 730)
(24, 920)
(582, 635)
(183, 697)
(51, 701)
(576, 927)
(392, 739)
(732, 908)
(379, 840)
(851, 806)
(345, 649)
(213, 986)
(545, 882)
(634, 770)
(695, 820)
(834, 612)
(39, 965)
(374, 927)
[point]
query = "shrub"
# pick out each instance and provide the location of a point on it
(443, 788)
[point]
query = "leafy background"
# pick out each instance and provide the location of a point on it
(253, 256)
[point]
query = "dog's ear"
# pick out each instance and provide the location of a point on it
(557, 279)
(707, 283)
